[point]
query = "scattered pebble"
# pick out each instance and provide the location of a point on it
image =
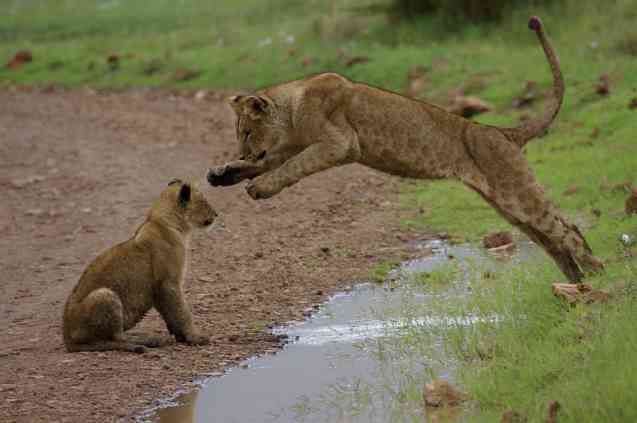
(603, 85)
(22, 183)
(440, 393)
(497, 239)
(469, 106)
(19, 59)
(630, 206)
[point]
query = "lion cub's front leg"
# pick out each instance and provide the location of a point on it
(175, 312)
(335, 151)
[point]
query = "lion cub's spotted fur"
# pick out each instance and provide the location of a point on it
(123, 283)
(299, 128)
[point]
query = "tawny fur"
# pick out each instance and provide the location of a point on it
(123, 283)
(299, 128)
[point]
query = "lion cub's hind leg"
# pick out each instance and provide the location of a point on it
(102, 327)
(502, 176)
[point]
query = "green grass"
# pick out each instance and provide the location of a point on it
(538, 349)
(437, 279)
(380, 271)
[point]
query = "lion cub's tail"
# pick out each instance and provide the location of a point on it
(529, 130)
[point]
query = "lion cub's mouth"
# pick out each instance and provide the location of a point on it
(252, 158)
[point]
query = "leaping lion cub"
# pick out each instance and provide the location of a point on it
(299, 128)
(123, 283)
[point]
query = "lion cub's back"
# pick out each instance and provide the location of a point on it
(126, 269)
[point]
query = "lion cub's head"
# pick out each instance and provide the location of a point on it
(182, 202)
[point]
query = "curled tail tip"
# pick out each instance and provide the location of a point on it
(535, 23)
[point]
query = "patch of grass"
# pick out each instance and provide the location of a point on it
(380, 271)
(437, 279)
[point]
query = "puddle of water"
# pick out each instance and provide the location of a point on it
(340, 366)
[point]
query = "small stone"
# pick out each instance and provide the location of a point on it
(7, 387)
(19, 59)
(185, 74)
(497, 239)
(34, 212)
(603, 85)
(581, 292)
(22, 183)
(440, 393)
(469, 106)
(528, 96)
(206, 279)
(553, 408)
(201, 95)
(630, 206)
(573, 189)
(512, 416)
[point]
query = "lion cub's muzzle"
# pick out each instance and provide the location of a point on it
(232, 173)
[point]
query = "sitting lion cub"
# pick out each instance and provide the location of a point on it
(124, 282)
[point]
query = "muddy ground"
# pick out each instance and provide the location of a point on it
(78, 171)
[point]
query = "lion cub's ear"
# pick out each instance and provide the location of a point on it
(235, 103)
(184, 195)
(254, 106)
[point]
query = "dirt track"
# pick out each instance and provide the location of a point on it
(78, 171)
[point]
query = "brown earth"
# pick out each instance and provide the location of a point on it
(78, 170)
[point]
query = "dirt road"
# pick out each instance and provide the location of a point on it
(78, 170)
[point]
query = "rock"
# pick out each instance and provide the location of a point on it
(183, 74)
(630, 206)
(201, 95)
(153, 67)
(440, 393)
(573, 293)
(603, 85)
(497, 239)
(22, 183)
(207, 279)
(528, 96)
(416, 80)
(623, 186)
(34, 212)
(512, 416)
(553, 408)
(469, 106)
(6, 387)
(626, 240)
(113, 61)
(19, 59)
(573, 189)
(355, 60)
